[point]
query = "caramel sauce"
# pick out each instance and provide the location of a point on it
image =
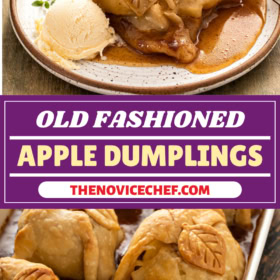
(227, 39)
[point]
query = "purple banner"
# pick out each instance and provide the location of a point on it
(147, 152)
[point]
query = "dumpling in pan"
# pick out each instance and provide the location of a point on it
(239, 217)
(14, 269)
(76, 244)
(181, 245)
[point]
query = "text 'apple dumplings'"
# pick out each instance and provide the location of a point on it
(15, 269)
(181, 245)
(76, 244)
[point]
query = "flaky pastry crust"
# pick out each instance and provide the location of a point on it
(15, 269)
(76, 244)
(239, 217)
(183, 244)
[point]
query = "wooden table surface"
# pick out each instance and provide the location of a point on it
(270, 264)
(22, 75)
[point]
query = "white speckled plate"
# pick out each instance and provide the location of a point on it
(114, 79)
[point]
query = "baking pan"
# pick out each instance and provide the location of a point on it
(261, 224)
(259, 240)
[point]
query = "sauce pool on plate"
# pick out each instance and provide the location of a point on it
(228, 37)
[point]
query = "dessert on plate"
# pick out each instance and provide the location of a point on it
(202, 36)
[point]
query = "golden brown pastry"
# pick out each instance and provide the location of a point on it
(239, 217)
(4, 218)
(15, 269)
(141, 7)
(182, 244)
(160, 26)
(76, 244)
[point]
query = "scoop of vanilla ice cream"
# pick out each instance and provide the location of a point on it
(74, 30)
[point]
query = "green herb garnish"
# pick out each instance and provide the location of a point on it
(37, 3)
(41, 3)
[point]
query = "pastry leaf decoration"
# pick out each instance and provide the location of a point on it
(139, 7)
(202, 245)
